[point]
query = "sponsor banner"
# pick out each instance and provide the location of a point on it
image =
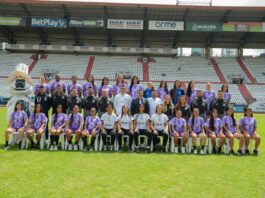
(258, 106)
(78, 22)
(13, 21)
(204, 26)
(243, 27)
(166, 25)
(48, 22)
(125, 24)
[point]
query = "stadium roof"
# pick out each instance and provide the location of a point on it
(103, 36)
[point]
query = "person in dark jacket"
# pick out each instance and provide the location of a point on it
(220, 104)
(59, 98)
(73, 100)
(137, 102)
(103, 102)
(89, 102)
(200, 104)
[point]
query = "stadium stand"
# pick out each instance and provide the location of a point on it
(257, 68)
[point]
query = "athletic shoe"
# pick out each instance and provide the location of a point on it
(52, 148)
(91, 148)
(214, 150)
(47, 142)
(232, 152)
(148, 150)
(202, 152)
(55, 148)
(219, 150)
(75, 148)
(255, 152)
(137, 149)
(176, 149)
(85, 148)
(32, 145)
(111, 148)
(247, 152)
(105, 147)
(6, 147)
(70, 147)
(37, 146)
(183, 149)
(195, 151)
(239, 152)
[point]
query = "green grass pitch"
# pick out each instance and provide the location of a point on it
(77, 174)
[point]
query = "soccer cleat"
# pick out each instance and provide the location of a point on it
(219, 150)
(70, 147)
(247, 152)
(255, 152)
(6, 147)
(111, 148)
(232, 152)
(47, 142)
(52, 148)
(239, 152)
(55, 148)
(137, 149)
(195, 151)
(105, 147)
(202, 152)
(176, 149)
(75, 148)
(183, 149)
(214, 150)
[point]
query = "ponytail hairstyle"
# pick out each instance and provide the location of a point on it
(189, 91)
(212, 127)
(192, 118)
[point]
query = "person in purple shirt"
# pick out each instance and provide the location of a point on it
(74, 125)
(191, 92)
(227, 95)
(105, 85)
(37, 124)
(119, 84)
(196, 129)
(135, 86)
(91, 127)
(162, 91)
(231, 131)
(75, 85)
(45, 85)
(57, 127)
(89, 83)
(208, 95)
(248, 126)
(214, 126)
(17, 123)
(179, 129)
(56, 82)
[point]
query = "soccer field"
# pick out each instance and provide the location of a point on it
(82, 174)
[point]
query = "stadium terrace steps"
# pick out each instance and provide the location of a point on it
(34, 62)
(218, 71)
(245, 69)
(89, 68)
(246, 94)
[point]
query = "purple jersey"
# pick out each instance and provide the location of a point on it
(248, 124)
(54, 85)
(198, 124)
(161, 93)
(108, 88)
(117, 88)
(192, 96)
(91, 122)
(135, 89)
(218, 124)
(228, 123)
(178, 124)
(86, 86)
(77, 119)
(18, 119)
(46, 87)
(61, 118)
(37, 120)
(208, 96)
(72, 86)
(227, 96)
